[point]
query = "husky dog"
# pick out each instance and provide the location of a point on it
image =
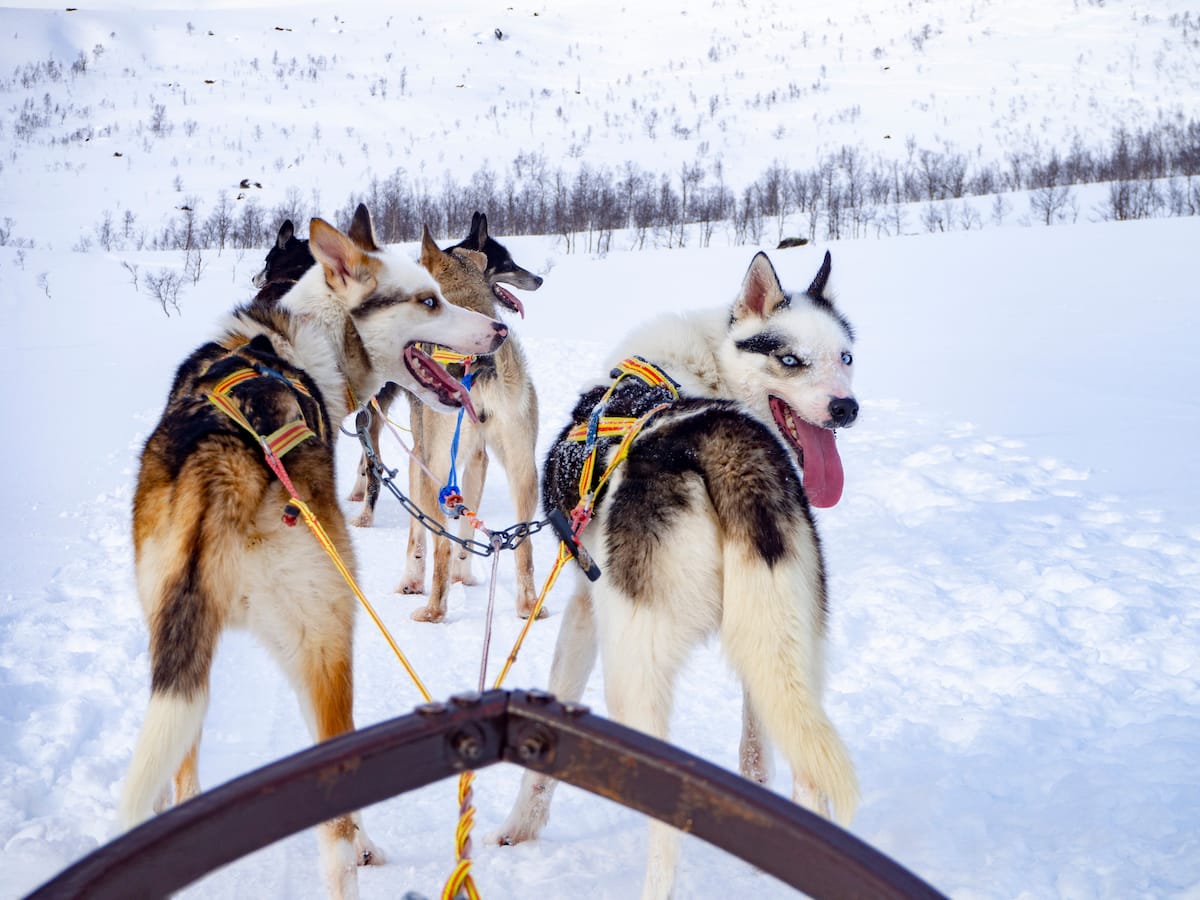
(507, 410)
(285, 263)
(212, 547)
(499, 269)
(500, 266)
(706, 528)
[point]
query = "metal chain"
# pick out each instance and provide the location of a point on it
(506, 539)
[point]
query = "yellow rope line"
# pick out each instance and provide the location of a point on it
(563, 555)
(323, 538)
(225, 404)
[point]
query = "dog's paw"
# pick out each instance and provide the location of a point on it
(464, 576)
(525, 607)
(364, 519)
(511, 833)
(428, 614)
(411, 586)
(366, 853)
(356, 495)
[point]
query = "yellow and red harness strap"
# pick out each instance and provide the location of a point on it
(226, 384)
(647, 371)
(608, 426)
(279, 442)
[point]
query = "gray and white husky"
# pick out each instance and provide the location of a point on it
(706, 528)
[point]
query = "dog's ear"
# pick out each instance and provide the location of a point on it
(761, 294)
(473, 234)
(362, 230)
(481, 230)
(474, 257)
(430, 252)
(343, 260)
(816, 290)
(286, 230)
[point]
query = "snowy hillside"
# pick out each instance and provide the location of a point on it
(1013, 566)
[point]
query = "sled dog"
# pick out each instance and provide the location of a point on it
(285, 263)
(212, 547)
(507, 410)
(706, 528)
(500, 269)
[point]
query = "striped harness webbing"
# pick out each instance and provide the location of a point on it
(284, 438)
(627, 428)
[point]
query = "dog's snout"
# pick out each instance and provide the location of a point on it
(499, 333)
(843, 411)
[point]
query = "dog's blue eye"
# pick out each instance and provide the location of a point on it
(847, 359)
(430, 302)
(791, 360)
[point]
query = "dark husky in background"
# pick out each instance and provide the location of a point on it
(212, 547)
(706, 529)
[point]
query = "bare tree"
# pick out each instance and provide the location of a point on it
(164, 285)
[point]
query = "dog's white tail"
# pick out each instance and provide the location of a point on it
(171, 728)
(772, 633)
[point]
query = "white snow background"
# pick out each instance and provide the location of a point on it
(1013, 567)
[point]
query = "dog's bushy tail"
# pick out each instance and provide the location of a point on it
(772, 631)
(186, 532)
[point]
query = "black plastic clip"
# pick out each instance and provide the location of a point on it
(563, 529)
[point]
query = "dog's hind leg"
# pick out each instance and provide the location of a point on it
(515, 448)
(310, 634)
(474, 478)
(437, 438)
(413, 580)
(187, 777)
(367, 484)
(574, 659)
(754, 751)
(328, 689)
(645, 641)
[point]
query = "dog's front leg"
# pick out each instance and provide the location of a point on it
(413, 581)
(574, 659)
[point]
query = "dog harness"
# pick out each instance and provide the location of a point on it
(285, 438)
(626, 427)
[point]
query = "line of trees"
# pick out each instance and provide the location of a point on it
(1150, 174)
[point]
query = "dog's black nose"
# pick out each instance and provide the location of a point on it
(843, 411)
(500, 328)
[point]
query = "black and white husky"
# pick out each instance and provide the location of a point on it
(706, 528)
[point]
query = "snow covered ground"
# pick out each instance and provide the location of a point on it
(1015, 624)
(1015, 617)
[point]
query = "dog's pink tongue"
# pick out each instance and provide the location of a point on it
(509, 299)
(823, 475)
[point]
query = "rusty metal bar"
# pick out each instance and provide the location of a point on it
(472, 731)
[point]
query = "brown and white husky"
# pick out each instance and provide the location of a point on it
(212, 548)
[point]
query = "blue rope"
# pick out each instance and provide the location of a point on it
(451, 488)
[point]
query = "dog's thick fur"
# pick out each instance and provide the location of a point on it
(284, 264)
(706, 528)
(211, 548)
(507, 410)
